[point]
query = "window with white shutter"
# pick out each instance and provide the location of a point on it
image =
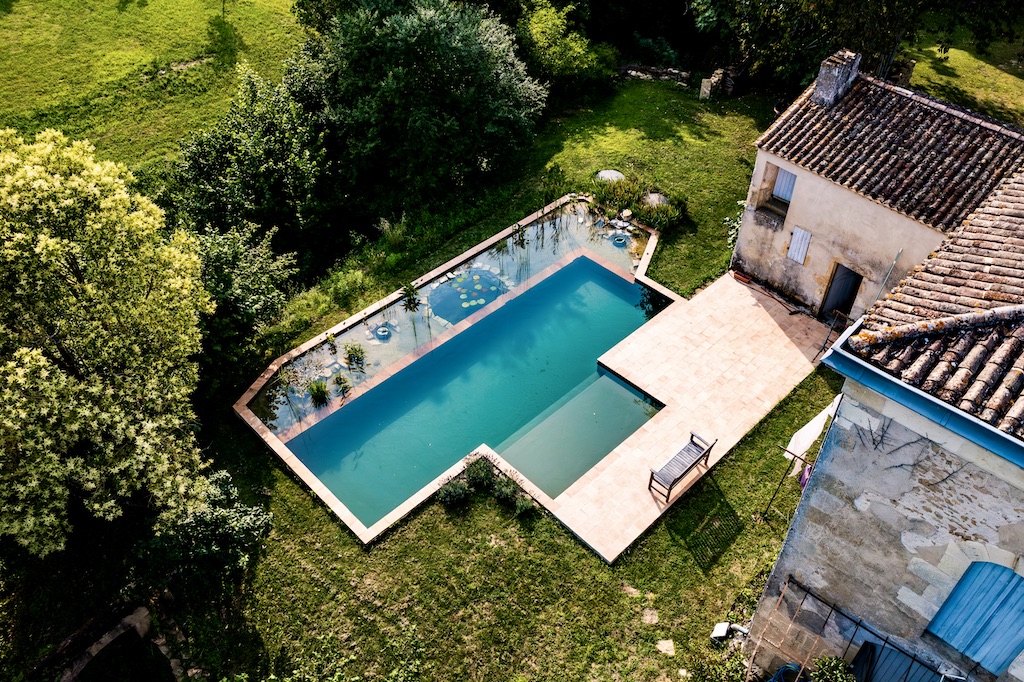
(798, 245)
(784, 184)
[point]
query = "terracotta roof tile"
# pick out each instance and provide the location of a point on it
(954, 327)
(921, 157)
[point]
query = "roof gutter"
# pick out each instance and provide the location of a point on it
(943, 414)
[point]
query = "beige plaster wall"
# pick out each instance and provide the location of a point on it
(846, 228)
(896, 511)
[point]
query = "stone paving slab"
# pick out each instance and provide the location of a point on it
(719, 362)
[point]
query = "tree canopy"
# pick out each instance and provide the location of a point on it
(244, 277)
(262, 163)
(393, 106)
(558, 51)
(99, 313)
(427, 98)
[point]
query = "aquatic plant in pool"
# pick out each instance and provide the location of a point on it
(460, 296)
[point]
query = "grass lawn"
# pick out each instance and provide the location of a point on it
(696, 151)
(989, 84)
(484, 595)
(133, 76)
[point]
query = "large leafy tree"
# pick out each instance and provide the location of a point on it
(99, 314)
(558, 51)
(244, 277)
(396, 105)
(428, 98)
(263, 163)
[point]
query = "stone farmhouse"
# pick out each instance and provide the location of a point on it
(906, 554)
(858, 182)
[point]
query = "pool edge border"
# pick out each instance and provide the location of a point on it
(367, 534)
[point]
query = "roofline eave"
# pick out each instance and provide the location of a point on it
(945, 415)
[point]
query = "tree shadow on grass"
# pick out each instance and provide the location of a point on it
(76, 593)
(225, 43)
(708, 527)
(122, 5)
(654, 114)
(961, 97)
(6, 6)
(938, 62)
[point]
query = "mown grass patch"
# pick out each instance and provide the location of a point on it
(133, 77)
(990, 84)
(479, 593)
(699, 154)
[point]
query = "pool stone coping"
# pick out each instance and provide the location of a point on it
(277, 442)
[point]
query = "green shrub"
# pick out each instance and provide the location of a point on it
(630, 192)
(211, 547)
(318, 393)
(663, 218)
(453, 493)
(832, 669)
(524, 505)
(394, 234)
(555, 183)
(619, 195)
(346, 284)
(559, 53)
(480, 474)
(506, 491)
(393, 261)
(300, 313)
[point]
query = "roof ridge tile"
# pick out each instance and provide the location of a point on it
(866, 338)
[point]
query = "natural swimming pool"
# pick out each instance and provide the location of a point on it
(523, 380)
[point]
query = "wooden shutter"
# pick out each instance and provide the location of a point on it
(784, 183)
(798, 245)
(983, 615)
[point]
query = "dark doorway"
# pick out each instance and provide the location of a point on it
(842, 292)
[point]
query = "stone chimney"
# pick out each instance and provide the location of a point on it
(835, 77)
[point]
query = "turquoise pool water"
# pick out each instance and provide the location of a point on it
(524, 380)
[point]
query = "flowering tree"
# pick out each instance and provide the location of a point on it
(98, 326)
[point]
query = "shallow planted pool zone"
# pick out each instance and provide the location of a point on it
(519, 373)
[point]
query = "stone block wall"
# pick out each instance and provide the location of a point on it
(895, 512)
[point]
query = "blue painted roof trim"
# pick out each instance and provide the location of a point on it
(943, 414)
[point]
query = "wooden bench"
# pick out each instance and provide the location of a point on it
(663, 480)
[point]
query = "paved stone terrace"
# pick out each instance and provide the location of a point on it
(719, 362)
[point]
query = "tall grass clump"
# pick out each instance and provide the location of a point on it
(630, 193)
(480, 474)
